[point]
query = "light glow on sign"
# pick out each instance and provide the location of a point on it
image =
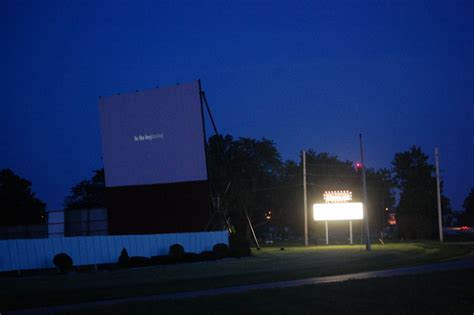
(337, 196)
(338, 211)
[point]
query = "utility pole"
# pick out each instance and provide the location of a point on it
(438, 190)
(327, 233)
(350, 232)
(305, 201)
(368, 246)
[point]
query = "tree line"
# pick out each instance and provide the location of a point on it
(249, 177)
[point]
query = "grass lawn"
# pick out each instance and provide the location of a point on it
(438, 293)
(267, 265)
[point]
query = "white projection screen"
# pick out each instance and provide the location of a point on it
(153, 136)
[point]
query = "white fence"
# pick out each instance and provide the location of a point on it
(87, 250)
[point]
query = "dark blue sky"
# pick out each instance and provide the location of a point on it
(306, 74)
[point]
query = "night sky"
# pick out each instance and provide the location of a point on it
(305, 74)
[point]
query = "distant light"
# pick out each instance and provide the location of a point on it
(358, 165)
(392, 219)
(386, 209)
(338, 211)
(268, 214)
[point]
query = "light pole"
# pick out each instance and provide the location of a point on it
(368, 246)
(305, 201)
(438, 191)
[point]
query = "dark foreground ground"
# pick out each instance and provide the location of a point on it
(267, 265)
(449, 292)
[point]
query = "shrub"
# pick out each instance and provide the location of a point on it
(221, 250)
(176, 252)
(139, 261)
(124, 260)
(63, 262)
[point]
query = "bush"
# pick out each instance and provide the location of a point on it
(239, 246)
(221, 250)
(139, 261)
(176, 252)
(124, 260)
(63, 262)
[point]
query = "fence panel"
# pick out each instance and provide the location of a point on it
(87, 250)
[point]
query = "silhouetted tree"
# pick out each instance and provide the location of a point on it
(327, 172)
(241, 171)
(87, 194)
(287, 212)
(380, 196)
(18, 203)
(417, 209)
(260, 181)
(467, 218)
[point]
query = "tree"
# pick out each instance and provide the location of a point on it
(327, 172)
(380, 196)
(18, 203)
(467, 218)
(288, 194)
(417, 214)
(260, 181)
(241, 173)
(87, 194)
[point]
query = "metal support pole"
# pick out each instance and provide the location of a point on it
(350, 231)
(438, 190)
(327, 234)
(251, 229)
(368, 246)
(305, 201)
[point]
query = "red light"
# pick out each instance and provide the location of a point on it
(392, 219)
(358, 165)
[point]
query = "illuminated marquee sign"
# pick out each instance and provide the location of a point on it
(338, 211)
(337, 207)
(337, 196)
